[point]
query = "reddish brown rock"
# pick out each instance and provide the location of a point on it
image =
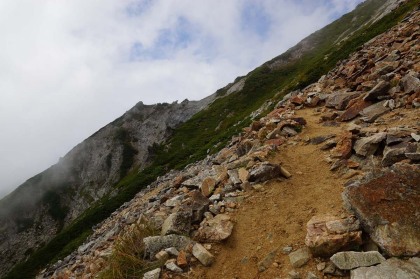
(327, 235)
(354, 109)
(388, 208)
(275, 142)
(344, 146)
(181, 260)
(207, 187)
(296, 100)
(256, 125)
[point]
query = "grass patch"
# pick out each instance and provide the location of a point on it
(127, 259)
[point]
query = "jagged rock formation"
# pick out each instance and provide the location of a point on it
(42, 206)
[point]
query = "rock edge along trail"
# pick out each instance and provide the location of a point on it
(275, 217)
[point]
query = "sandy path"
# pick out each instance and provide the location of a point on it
(276, 216)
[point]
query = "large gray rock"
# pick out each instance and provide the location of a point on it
(368, 145)
(410, 83)
(373, 112)
(201, 253)
(154, 244)
(264, 172)
(216, 229)
(381, 89)
(350, 259)
(300, 257)
(340, 100)
(177, 223)
(394, 154)
(391, 269)
(387, 206)
(327, 235)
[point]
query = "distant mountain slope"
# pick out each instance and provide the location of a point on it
(43, 205)
(111, 166)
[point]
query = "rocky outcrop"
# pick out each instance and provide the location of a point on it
(393, 268)
(388, 208)
(46, 203)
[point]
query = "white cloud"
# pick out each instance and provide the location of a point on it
(67, 67)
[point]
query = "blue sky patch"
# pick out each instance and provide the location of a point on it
(255, 20)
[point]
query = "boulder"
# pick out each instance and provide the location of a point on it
(344, 146)
(410, 83)
(340, 100)
(216, 229)
(177, 223)
(412, 151)
(381, 89)
(201, 253)
(207, 186)
(154, 244)
(373, 112)
(263, 172)
(394, 154)
(198, 204)
(367, 146)
(300, 257)
(327, 235)
(392, 268)
(387, 206)
(243, 175)
(350, 259)
(170, 265)
(234, 176)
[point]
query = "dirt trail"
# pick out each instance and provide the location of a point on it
(276, 216)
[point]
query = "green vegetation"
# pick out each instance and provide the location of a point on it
(210, 129)
(127, 258)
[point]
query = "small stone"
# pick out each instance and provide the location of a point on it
(294, 274)
(285, 172)
(415, 136)
(311, 276)
(300, 257)
(162, 255)
(181, 260)
(204, 256)
(173, 267)
(267, 261)
(321, 266)
(172, 251)
(350, 259)
(286, 250)
(153, 274)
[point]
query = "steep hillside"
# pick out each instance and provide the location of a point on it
(43, 205)
(325, 184)
(118, 161)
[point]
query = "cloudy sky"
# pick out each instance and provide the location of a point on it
(68, 68)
